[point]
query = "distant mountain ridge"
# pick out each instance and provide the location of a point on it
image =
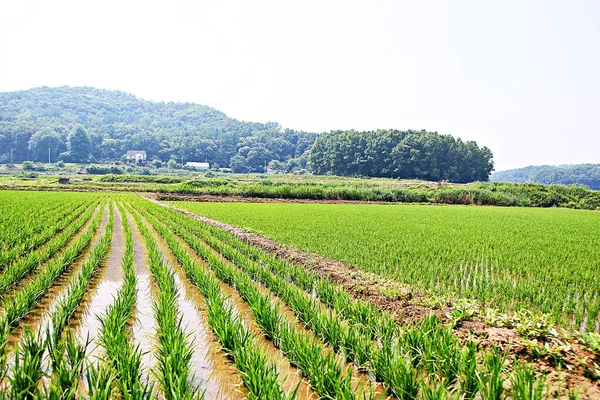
(580, 174)
(33, 121)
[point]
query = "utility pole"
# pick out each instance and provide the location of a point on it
(48, 155)
(11, 158)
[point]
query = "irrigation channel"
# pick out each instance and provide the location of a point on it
(126, 298)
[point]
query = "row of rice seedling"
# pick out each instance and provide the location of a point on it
(511, 258)
(68, 304)
(122, 354)
(258, 374)
(15, 272)
(21, 302)
(28, 216)
(324, 370)
(55, 224)
(175, 349)
(455, 364)
(25, 221)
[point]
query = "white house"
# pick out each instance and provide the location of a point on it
(137, 155)
(202, 166)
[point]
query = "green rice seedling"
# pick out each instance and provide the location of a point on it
(468, 370)
(397, 370)
(22, 267)
(434, 391)
(525, 384)
(490, 377)
(27, 368)
(30, 219)
(68, 364)
(513, 263)
(175, 350)
(261, 379)
(78, 287)
(324, 373)
(23, 301)
(54, 224)
(99, 381)
(123, 355)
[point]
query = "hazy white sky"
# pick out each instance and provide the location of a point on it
(519, 76)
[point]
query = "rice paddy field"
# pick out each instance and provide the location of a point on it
(546, 260)
(106, 295)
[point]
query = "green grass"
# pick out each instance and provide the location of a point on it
(545, 260)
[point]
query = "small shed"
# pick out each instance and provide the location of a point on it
(136, 155)
(202, 166)
(63, 181)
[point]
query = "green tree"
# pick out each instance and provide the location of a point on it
(80, 148)
(239, 164)
(44, 141)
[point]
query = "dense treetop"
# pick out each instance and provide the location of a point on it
(582, 174)
(401, 154)
(83, 124)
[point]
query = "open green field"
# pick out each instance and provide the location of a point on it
(545, 260)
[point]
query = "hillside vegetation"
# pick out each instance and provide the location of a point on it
(83, 124)
(80, 124)
(580, 174)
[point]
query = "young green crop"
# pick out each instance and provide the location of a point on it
(124, 357)
(258, 374)
(175, 349)
(324, 371)
(56, 223)
(430, 347)
(545, 260)
(29, 219)
(23, 301)
(20, 268)
(78, 287)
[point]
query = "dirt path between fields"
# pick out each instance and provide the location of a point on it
(407, 306)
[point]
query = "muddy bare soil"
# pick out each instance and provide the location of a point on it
(406, 306)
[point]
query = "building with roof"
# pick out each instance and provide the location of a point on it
(202, 166)
(136, 155)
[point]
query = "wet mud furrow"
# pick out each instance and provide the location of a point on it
(359, 379)
(143, 325)
(213, 374)
(102, 290)
(291, 377)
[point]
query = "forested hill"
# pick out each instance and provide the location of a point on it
(33, 121)
(582, 174)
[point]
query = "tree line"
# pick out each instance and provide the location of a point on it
(400, 154)
(83, 124)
